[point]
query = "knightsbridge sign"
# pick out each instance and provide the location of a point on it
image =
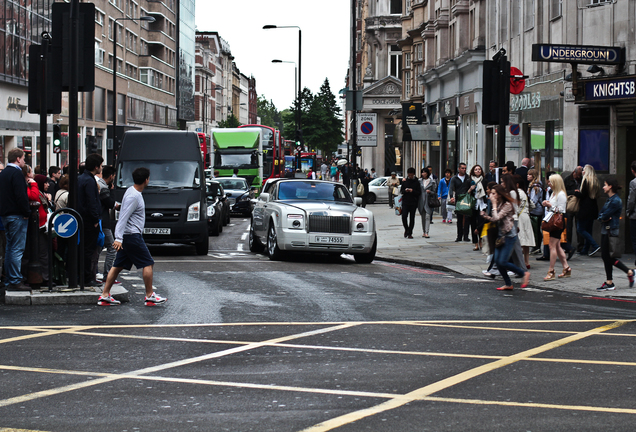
(615, 89)
(578, 54)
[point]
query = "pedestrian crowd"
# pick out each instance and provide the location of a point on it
(23, 188)
(509, 214)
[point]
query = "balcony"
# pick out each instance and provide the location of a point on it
(159, 37)
(160, 8)
(157, 64)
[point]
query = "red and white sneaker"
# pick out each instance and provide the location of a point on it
(107, 301)
(154, 300)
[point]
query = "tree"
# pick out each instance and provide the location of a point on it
(268, 113)
(331, 136)
(231, 122)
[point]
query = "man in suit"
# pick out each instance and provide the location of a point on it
(523, 172)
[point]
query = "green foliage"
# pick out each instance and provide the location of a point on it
(268, 113)
(231, 122)
(321, 122)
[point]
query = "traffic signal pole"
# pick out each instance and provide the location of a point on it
(44, 54)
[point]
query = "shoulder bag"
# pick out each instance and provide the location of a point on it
(465, 204)
(433, 201)
(615, 247)
(553, 222)
(360, 189)
(572, 205)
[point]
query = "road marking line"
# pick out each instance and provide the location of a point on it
(239, 247)
(533, 405)
(18, 430)
(153, 369)
(244, 236)
(43, 334)
(454, 380)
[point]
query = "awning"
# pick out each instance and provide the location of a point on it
(426, 132)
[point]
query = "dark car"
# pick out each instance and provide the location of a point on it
(239, 194)
(218, 210)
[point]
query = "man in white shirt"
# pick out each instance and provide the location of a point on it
(129, 242)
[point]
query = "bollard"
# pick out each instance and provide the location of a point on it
(34, 272)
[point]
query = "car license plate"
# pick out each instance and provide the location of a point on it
(157, 231)
(325, 239)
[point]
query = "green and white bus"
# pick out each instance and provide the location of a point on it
(240, 149)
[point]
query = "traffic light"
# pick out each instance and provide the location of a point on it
(57, 138)
(496, 92)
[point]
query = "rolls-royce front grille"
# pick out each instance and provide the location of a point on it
(329, 224)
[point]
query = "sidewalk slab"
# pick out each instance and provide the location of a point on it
(44, 297)
(441, 252)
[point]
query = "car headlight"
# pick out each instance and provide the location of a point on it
(194, 212)
(211, 210)
(361, 224)
(295, 221)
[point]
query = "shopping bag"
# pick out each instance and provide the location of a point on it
(465, 204)
(397, 203)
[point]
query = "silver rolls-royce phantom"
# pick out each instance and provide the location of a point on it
(311, 216)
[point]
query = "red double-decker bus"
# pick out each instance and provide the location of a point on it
(204, 140)
(273, 151)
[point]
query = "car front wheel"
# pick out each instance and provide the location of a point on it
(367, 258)
(273, 250)
(370, 198)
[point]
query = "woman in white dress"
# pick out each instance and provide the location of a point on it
(526, 233)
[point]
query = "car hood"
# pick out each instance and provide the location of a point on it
(325, 207)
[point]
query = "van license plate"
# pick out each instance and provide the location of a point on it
(324, 239)
(165, 231)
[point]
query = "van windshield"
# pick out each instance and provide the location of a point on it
(163, 174)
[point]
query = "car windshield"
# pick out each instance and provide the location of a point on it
(236, 160)
(308, 190)
(214, 189)
(377, 182)
(163, 174)
(233, 183)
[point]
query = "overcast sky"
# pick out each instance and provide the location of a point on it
(325, 29)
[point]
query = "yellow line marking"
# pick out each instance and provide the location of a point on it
(454, 380)
(533, 405)
(43, 333)
(152, 369)
(306, 323)
(17, 430)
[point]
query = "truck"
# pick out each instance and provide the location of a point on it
(239, 148)
(176, 198)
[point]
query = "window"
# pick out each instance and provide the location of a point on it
(555, 8)
(99, 95)
(598, 2)
(99, 18)
(407, 60)
(99, 53)
(514, 17)
(419, 52)
(396, 7)
(528, 17)
(395, 61)
(594, 135)
(407, 84)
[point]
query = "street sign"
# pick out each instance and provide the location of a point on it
(65, 225)
(515, 129)
(57, 150)
(367, 130)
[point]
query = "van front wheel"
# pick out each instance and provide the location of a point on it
(202, 247)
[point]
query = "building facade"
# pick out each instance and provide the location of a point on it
(185, 73)
(23, 21)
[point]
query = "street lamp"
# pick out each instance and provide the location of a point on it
(142, 18)
(300, 87)
(295, 75)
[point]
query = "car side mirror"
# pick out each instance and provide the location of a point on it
(264, 197)
(357, 201)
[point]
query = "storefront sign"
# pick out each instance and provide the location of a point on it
(615, 89)
(578, 54)
(525, 101)
(412, 113)
(448, 108)
(467, 104)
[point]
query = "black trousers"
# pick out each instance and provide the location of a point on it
(609, 261)
(408, 213)
(90, 245)
(463, 225)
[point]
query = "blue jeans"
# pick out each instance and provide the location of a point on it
(584, 228)
(16, 232)
(502, 258)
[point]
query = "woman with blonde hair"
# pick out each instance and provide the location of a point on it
(557, 204)
(535, 197)
(588, 209)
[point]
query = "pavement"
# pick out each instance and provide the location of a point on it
(440, 252)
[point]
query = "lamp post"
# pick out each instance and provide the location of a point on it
(114, 29)
(299, 99)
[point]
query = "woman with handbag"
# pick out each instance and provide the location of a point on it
(477, 177)
(503, 213)
(429, 190)
(526, 234)
(610, 217)
(535, 195)
(556, 205)
(588, 209)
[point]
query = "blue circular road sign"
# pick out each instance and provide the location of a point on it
(366, 128)
(65, 225)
